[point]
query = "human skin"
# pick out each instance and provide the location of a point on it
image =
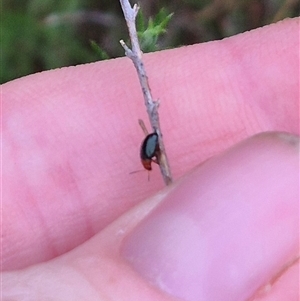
(71, 138)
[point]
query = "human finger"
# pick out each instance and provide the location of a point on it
(70, 136)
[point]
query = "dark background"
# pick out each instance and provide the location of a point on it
(38, 35)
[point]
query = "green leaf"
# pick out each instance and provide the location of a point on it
(149, 32)
(99, 51)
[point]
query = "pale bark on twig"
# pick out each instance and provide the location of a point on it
(135, 54)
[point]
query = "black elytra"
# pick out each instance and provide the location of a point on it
(149, 146)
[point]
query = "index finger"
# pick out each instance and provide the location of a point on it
(71, 137)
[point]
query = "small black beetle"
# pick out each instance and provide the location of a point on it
(149, 149)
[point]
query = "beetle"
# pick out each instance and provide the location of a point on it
(149, 150)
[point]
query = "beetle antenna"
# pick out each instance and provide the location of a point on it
(136, 171)
(143, 127)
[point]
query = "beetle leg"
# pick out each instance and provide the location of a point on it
(155, 160)
(143, 127)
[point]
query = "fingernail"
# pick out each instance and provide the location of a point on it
(226, 229)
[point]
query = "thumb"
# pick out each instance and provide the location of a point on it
(227, 230)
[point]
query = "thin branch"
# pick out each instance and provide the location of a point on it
(135, 54)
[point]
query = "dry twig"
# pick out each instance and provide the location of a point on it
(135, 54)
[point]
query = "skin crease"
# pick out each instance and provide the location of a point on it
(71, 137)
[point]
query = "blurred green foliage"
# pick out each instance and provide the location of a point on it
(37, 35)
(150, 30)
